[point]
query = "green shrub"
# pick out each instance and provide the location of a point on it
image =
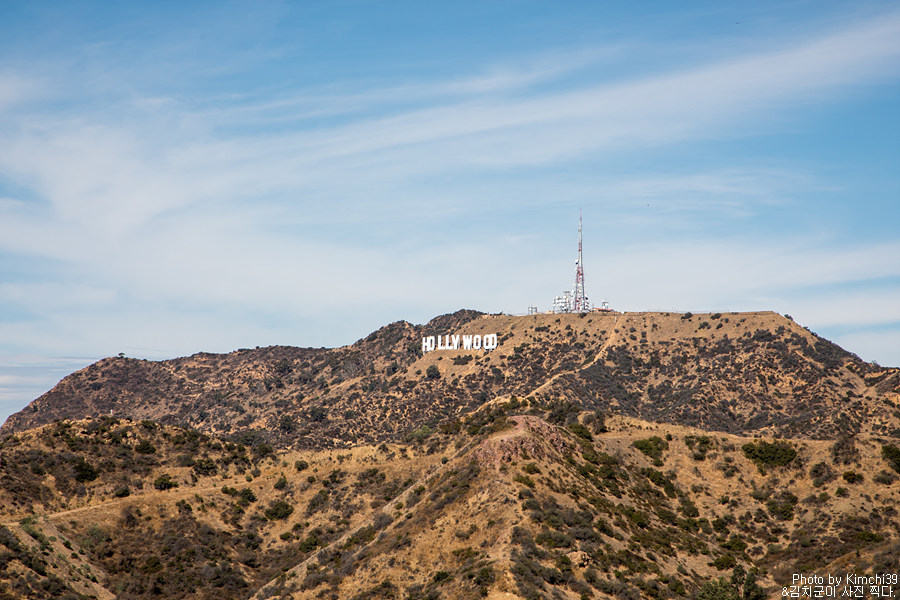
(700, 445)
(580, 430)
(311, 542)
(689, 509)
(145, 447)
(770, 454)
(852, 477)
(485, 577)
(735, 543)
(868, 536)
(317, 502)
(891, 454)
(653, 447)
(432, 372)
(204, 467)
(523, 479)
(844, 451)
(885, 478)
(165, 482)
(84, 471)
(726, 561)
(301, 465)
(419, 434)
(782, 506)
(821, 474)
(279, 510)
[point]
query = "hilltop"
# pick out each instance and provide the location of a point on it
(750, 373)
(627, 455)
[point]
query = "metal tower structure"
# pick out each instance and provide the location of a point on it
(580, 299)
(575, 300)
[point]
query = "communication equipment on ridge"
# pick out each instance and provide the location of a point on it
(532, 310)
(575, 301)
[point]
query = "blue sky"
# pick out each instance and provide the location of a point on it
(178, 177)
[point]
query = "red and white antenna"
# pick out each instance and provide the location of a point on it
(576, 300)
(580, 299)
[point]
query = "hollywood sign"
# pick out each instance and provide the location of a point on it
(459, 342)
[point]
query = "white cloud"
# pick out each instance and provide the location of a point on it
(116, 175)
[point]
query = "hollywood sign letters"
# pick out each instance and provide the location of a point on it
(457, 342)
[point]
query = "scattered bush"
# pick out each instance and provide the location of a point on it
(782, 506)
(523, 479)
(821, 474)
(84, 471)
(770, 454)
(145, 447)
(885, 478)
(653, 447)
(891, 454)
(844, 451)
(317, 502)
(700, 445)
(852, 477)
(279, 510)
(726, 561)
(245, 496)
(580, 430)
(165, 482)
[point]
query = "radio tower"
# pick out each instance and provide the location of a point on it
(580, 300)
(575, 301)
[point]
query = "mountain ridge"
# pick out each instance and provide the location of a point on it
(633, 455)
(732, 372)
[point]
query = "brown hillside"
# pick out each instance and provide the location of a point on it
(518, 501)
(754, 373)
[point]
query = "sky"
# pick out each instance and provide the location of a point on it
(178, 177)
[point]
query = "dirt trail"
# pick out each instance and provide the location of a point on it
(166, 495)
(298, 572)
(613, 335)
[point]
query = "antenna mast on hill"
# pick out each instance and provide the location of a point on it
(576, 300)
(580, 299)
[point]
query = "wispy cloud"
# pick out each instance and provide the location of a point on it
(16, 90)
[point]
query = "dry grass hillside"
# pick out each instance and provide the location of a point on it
(517, 500)
(625, 455)
(738, 373)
